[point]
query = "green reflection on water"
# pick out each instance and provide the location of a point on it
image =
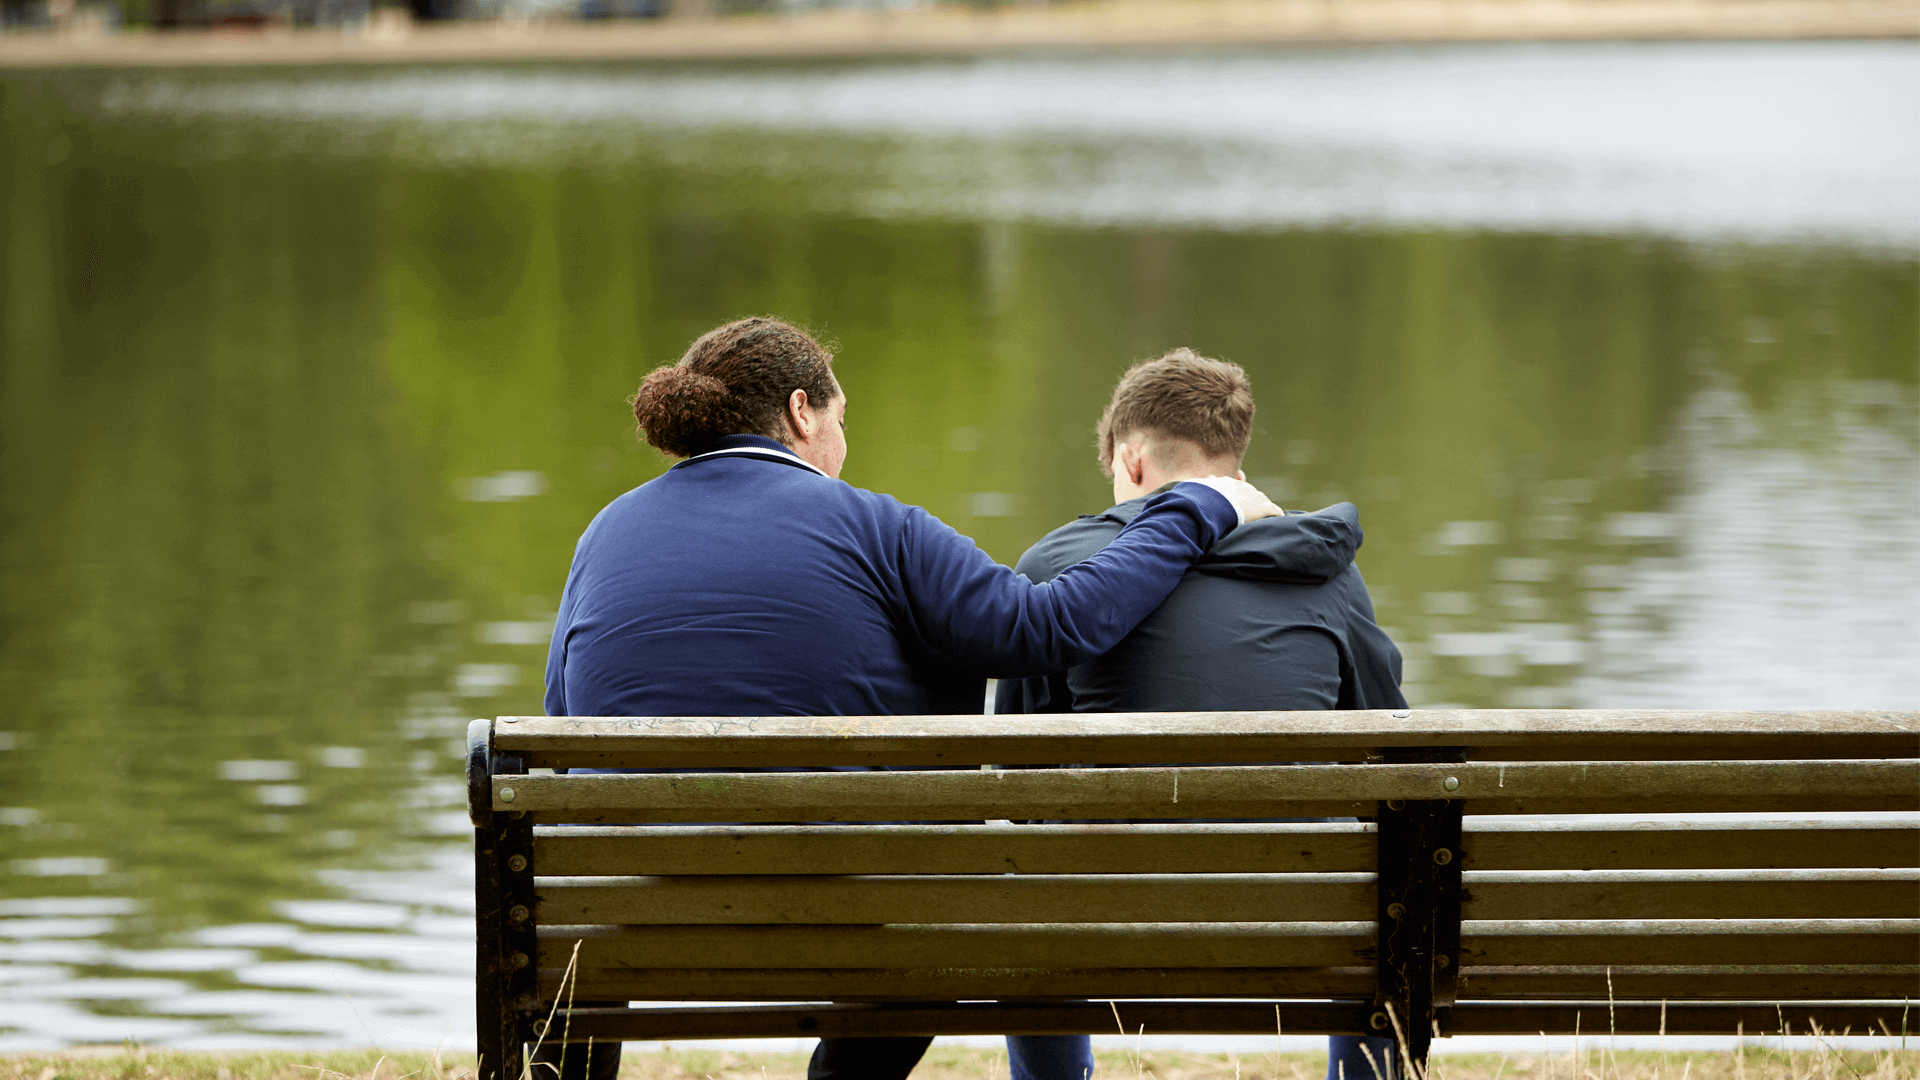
(296, 445)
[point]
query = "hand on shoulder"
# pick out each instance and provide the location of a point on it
(1248, 501)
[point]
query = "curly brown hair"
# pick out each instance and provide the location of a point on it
(734, 380)
(1182, 395)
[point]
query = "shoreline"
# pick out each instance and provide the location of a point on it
(1088, 25)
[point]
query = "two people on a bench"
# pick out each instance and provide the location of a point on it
(749, 581)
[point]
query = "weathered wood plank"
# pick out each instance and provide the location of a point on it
(1673, 1018)
(1198, 792)
(1201, 1018)
(1732, 750)
(1690, 894)
(1036, 898)
(1858, 983)
(1520, 844)
(1691, 942)
(956, 849)
(753, 756)
(947, 984)
(1694, 804)
(1126, 738)
(1149, 945)
(1491, 843)
(965, 1018)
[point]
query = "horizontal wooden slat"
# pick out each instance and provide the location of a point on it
(750, 757)
(1675, 1018)
(966, 1018)
(1859, 982)
(938, 984)
(1130, 945)
(956, 849)
(1199, 1018)
(1490, 843)
(1252, 791)
(1125, 738)
(1720, 751)
(1620, 944)
(1037, 898)
(1682, 803)
(1701, 941)
(1521, 844)
(1690, 894)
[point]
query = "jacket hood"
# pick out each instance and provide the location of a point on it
(1300, 548)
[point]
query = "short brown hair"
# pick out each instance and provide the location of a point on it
(1182, 395)
(734, 380)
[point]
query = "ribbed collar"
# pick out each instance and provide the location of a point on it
(758, 447)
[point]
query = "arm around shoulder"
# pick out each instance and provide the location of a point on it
(973, 612)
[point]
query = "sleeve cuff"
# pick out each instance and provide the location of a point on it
(1216, 506)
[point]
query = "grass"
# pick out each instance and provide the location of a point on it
(945, 1062)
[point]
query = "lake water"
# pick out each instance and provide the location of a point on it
(309, 379)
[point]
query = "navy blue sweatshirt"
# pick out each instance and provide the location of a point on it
(748, 583)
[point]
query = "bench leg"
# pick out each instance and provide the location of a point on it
(490, 1003)
(506, 946)
(1419, 916)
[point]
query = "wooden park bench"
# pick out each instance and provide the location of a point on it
(1458, 908)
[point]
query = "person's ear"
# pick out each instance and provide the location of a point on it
(1240, 475)
(800, 418)
(1131, 459)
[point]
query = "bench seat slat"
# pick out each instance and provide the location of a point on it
(1490, 843)
(1691, 894)
(1190, 809)
(1673, 1018)
(1205, 792)
(963, 741)
(1190, 945)
(1173, 945)
(1509, 844)
(1202, 1018)
(965, 1018)
(1621, 950)
(1250, 753)
(1035, 898)
(948, 984)
(956, 849)
(1862, 983)
(935, 984)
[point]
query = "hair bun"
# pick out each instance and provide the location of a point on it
(735, 379)
(678, 410)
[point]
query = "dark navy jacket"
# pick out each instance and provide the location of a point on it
(748, 583)
(1274, 616)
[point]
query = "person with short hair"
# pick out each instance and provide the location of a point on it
(748, 580)
(1274, 616)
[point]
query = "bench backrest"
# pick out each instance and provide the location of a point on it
(1455, 907)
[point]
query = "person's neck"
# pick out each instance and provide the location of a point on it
(1154, 479)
